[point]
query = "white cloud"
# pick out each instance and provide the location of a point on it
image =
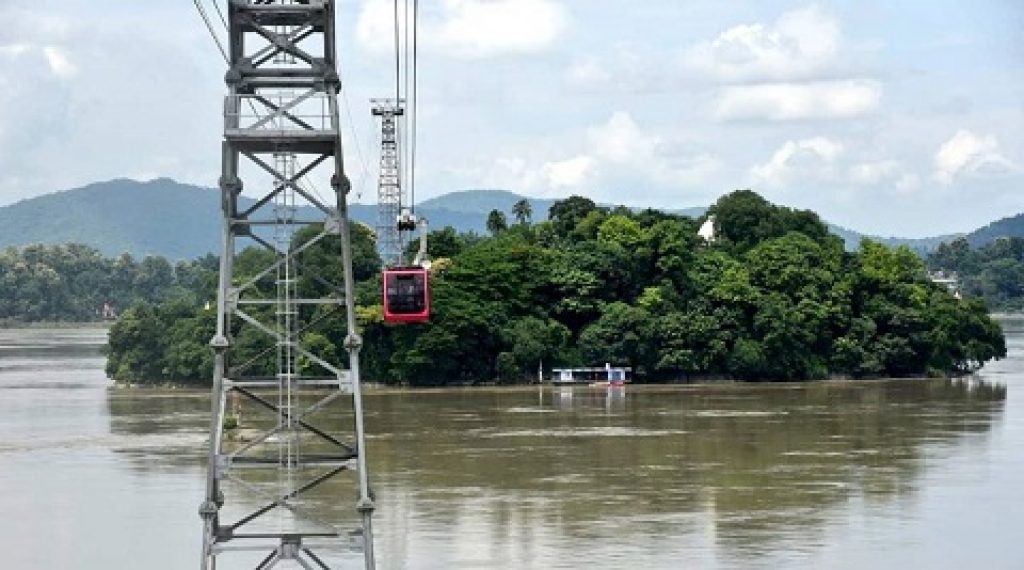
(623, 68)
(908, 182)
(616, 161)
(56, 57)
(14, 50)
(621, 140)
(807, 159)
(469, 28)
(620, 155)
(626, 154)
(34, 112)
(571, 173)
(477, 28)
(59, 62)
(794, 101)
(798, 45)
(884, 172)
(871, 173)
(375, 26)
(968, 153)
(588, 72)
(509, 173)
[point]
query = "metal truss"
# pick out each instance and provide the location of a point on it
(389, 184)
(303, 429)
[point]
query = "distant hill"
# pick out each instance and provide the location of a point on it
(1006, 227)
(181, 221)
(922, 246)
(159, 217)
(483, 201)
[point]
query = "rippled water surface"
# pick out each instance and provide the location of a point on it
(892, 474)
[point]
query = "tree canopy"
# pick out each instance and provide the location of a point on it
(776, 298)
(73, 282)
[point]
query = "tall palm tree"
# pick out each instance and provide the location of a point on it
(523, 211)
(496, 222)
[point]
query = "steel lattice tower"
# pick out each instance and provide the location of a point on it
(306, 433)
(389, 184)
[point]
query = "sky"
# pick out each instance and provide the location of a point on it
(892, 118)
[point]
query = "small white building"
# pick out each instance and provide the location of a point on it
(707, 230)
(610, 374)
(949, 280)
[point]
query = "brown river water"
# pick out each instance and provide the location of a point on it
(880, 474)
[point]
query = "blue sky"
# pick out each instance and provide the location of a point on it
(896, 118)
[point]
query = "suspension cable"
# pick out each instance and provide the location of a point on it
(398, 60)
(409, 119)
(364, 175)
(415, 102)
(209, 28)
(216, 6)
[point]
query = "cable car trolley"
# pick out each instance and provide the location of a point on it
(407, 288)
(406, 295)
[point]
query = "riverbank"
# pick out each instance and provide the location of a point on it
(18, 325)
(375, 389)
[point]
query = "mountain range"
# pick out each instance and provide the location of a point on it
(180, 221)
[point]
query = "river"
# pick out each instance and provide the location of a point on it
(880, 474)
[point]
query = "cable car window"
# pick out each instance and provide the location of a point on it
(406, 293)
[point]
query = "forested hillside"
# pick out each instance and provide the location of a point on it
(1011, 227)
(994, 272)
(775, 297)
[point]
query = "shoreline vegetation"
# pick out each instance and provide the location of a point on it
(774, 297)
(88, 325)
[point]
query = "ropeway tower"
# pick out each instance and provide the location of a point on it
(389, 184)
(290, 488)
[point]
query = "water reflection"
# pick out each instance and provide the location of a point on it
(717, 475)
(759, 468)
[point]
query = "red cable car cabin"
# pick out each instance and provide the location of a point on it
(406, 295)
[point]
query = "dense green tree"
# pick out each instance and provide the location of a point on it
(955, 256)
(443, 243)
(744, 219)
(533, 341)
(621, 230)
(133, 350)
(566, 214)
(693, 342)
(621, 335)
